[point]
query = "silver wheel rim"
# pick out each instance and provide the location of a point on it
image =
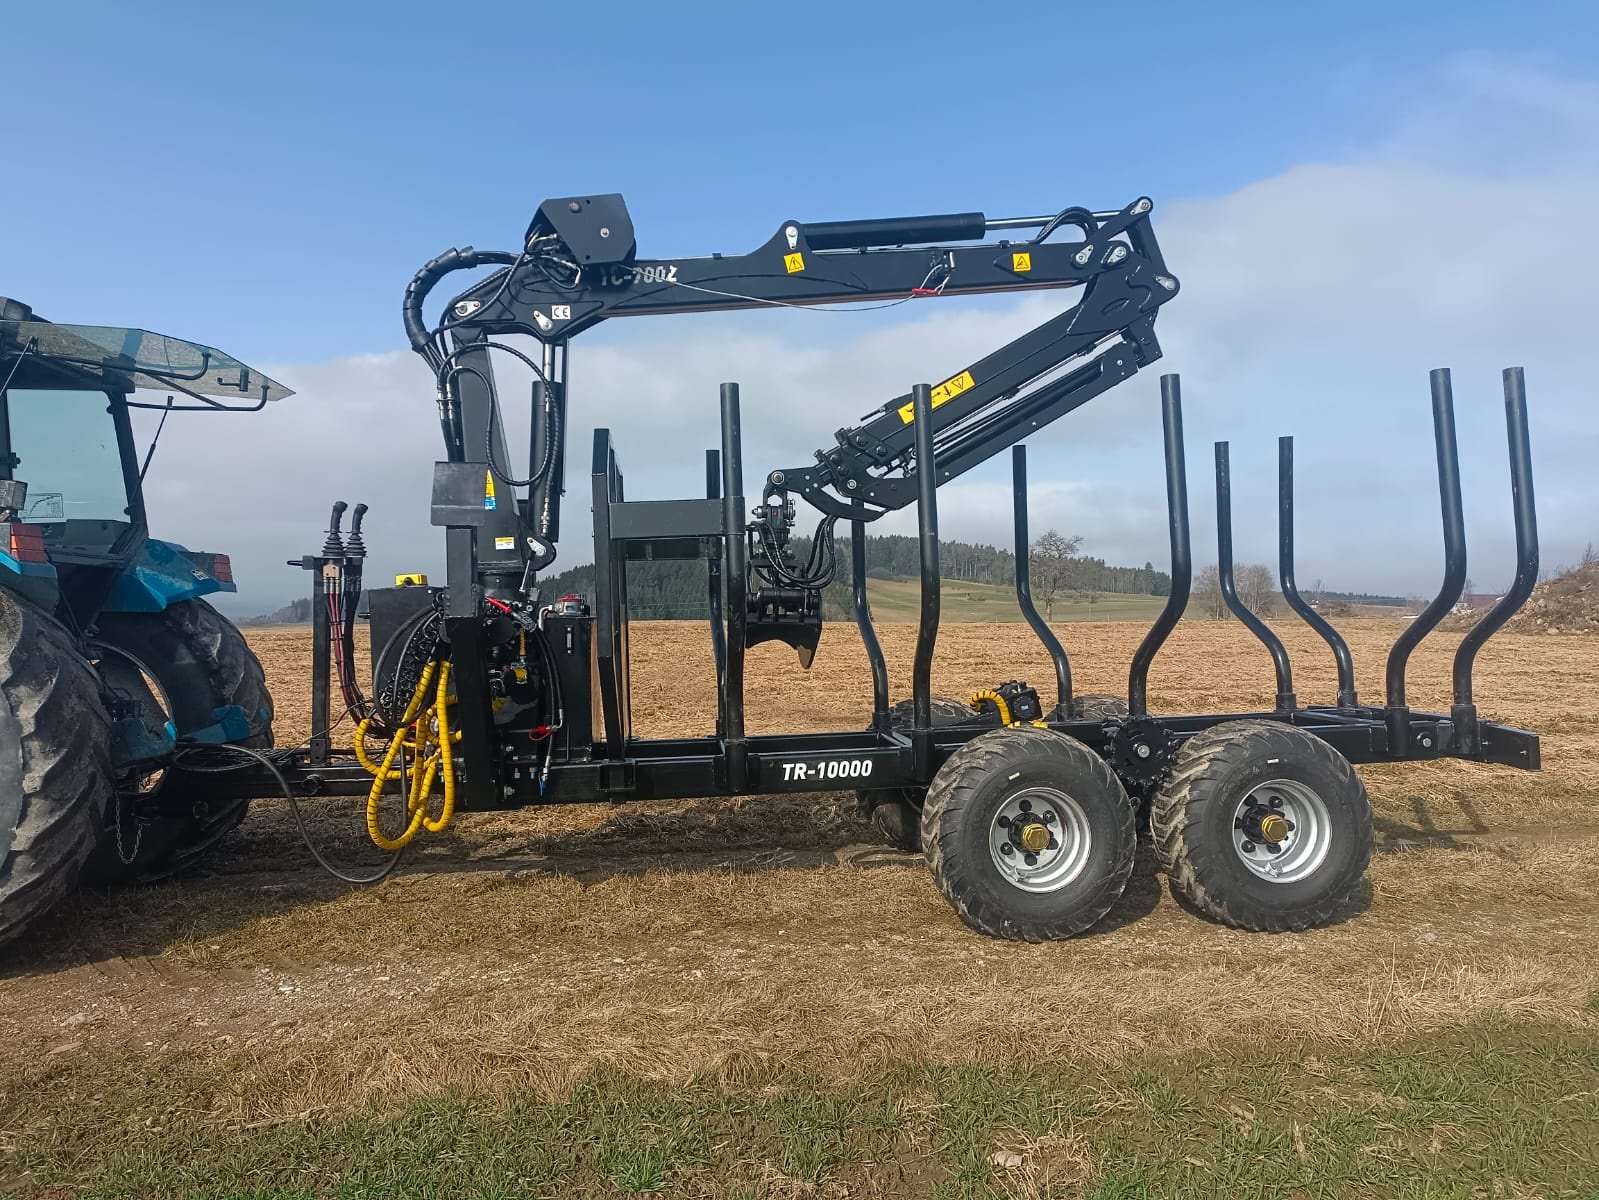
(1297, 816)
(1019, 854)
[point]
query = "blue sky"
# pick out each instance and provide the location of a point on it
(266, 178)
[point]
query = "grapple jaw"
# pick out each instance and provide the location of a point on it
(789, 615)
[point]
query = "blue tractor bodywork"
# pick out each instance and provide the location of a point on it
(164, 574)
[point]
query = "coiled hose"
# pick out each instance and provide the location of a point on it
(425, 737)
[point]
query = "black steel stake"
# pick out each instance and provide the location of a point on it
(1467, 727)
(1024, 587)
(927, 626)
(737, 747)
(863, 622)
(713, 576)
(1454, 523)
(1285, 567)
(1182, 566)
(1229, 587)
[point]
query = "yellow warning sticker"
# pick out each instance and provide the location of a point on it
(505, 543)
(942, 394)
(1020, 261)
(794, 262)
(488, 489)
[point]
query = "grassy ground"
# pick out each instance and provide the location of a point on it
(901, 600)
(717, 998)
(1496, 1107)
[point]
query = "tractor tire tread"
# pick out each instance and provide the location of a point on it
(234, 676)
(62, 737)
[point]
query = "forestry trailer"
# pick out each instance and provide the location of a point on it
(1028, 811)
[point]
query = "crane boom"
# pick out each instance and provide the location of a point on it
(579, 266)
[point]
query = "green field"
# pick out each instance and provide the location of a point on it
(900, 600)
(1497, 1108)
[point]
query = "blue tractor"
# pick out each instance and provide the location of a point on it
(112, 663)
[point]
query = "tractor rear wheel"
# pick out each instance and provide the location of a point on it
(1028, 834)
(1264, 827)
(55, 773)
(202, 663)
(897, 812)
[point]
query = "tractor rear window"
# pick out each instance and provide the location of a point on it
(66, 448)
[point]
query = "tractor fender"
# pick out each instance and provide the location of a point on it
(165, 574)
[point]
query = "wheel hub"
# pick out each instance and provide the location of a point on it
(1274, 827)
(1034, 837)
(1039, 839)
(1282, 831)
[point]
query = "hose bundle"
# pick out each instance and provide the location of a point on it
(425, 739)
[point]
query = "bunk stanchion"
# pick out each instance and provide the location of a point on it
(1024, 587)
(1468, 735)
(1454, 524)
(1347, 697)
(863, 622)
(713, 577)
(927, 625)
(1182, 565)
(1229, 588)
(733, 550)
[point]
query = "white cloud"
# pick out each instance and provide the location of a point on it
(1313, 303)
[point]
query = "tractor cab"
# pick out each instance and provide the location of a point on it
(75, 540)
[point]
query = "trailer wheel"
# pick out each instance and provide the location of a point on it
(1028, 834)
(1094, 707)
(1263, 827)
(202, 663)
(55, 776)
(896, 813)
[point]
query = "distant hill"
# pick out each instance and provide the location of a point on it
(296, 612)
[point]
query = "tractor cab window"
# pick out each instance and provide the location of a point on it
(65, 447)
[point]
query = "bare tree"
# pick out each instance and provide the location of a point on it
(1590, 555)
(1050, 561)
(1257, 588)
(1255, 584)
(1207, 594)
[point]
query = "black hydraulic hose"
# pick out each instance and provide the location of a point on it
(1079, 217)
(432, 271)
(382, 872)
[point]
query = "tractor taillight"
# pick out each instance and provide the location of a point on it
(221, 568)
(27, 543)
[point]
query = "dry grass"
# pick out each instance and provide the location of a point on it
(740, 940)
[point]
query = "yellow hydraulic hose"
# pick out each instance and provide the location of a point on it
(442, 760)
(423, 727)
(999, 703)
(1002, 706)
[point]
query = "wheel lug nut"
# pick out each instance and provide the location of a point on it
(1007, 848)
(1026, 806)
(1049, 817)
(1030, 859)
(1276, 802)
(1290, 825)
(1053, 844)
(1003, 822)
(1249, 847)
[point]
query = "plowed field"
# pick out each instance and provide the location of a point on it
(742, 942)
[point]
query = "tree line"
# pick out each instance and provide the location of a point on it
(676, 590)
